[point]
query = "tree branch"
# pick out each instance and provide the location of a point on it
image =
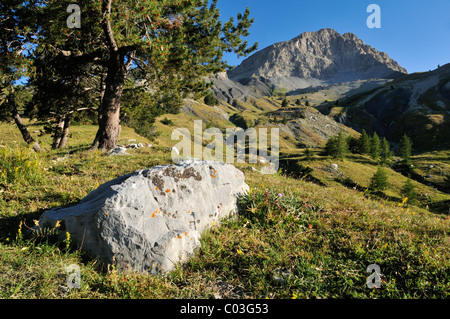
(107, 24)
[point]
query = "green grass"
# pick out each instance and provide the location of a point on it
(311, 242)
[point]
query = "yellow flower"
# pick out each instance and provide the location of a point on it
(67, 240)
(294, 295)
(239, 252)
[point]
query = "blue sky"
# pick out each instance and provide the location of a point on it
(415, 33)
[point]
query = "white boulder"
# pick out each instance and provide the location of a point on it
(152, 219)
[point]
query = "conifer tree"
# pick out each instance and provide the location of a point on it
(379, 181)
(385, 153)
(175, 44)
(408, 190)
(364, 142)
(405, 150)
(337, 146)
(18, 31)
(375, 146)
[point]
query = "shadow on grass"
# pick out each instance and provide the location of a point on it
(442, 207)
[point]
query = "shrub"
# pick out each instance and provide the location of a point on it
(210, 99)
(166, 121)
(238, 120)
(18, 165)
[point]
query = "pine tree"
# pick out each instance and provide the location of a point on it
(337, 146)
(375, 146)
(308, 153)
(18, 34)
(285, 103)
(386, 153)
(175, 45)
(353, 144)
(379, 181)
(405, 150)
(364, 142)
(408, 190)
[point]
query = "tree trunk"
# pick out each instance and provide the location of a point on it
(109, 122)
(58, 133)
(23, 129)
(99, 113)
(65, 131)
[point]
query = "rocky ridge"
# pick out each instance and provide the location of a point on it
(317, 58)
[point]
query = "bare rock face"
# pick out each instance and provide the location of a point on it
(152, 219)
(317, 58)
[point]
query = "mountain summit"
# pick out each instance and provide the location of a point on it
(317, 58)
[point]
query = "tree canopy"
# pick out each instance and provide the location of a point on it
(172, 47)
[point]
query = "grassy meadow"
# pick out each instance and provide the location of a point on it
(292, 238)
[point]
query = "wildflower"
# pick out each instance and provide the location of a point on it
(239, 252)
(67, 240)
(280, 195)
(294, 295)
(19, 231)
(403, 202)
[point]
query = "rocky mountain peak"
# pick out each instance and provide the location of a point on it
(317, 58)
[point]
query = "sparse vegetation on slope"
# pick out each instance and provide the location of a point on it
(292, 238)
